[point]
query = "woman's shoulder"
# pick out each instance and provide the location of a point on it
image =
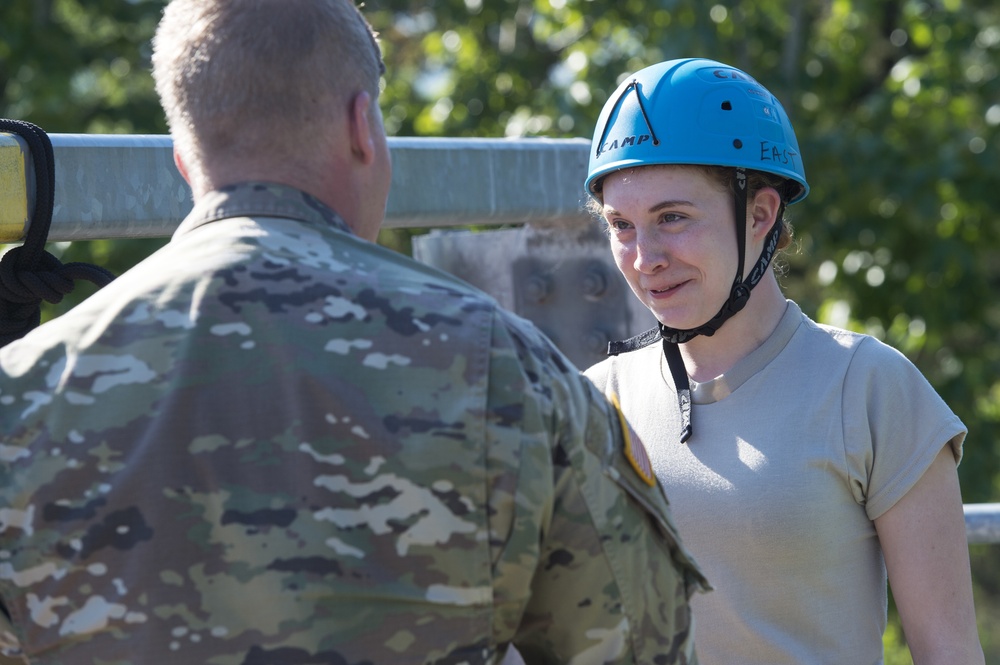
(628, 363)
(859, 346)
(869, 363)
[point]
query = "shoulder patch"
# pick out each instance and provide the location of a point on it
(635, 452)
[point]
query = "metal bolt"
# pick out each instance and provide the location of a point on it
(538, 287)
(596, 341)
(595, 283)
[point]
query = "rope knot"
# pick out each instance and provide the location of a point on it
(28, 273)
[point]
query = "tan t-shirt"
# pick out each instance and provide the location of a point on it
(795, 451)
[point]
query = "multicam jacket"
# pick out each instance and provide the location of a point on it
(273, 442)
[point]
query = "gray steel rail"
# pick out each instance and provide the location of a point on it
(982, 523)
(126, 186)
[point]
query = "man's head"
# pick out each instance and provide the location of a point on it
(273, 90)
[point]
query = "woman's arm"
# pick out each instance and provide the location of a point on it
(927, 558)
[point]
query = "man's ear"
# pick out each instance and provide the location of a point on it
(179, 163)
(764, 208)
(359, 126)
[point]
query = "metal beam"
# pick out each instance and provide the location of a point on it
(982, 523)
(126, 186)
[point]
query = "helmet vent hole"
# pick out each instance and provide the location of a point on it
(737, 144)
(727, 106)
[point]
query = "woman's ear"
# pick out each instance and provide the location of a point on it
(764, 210)
(359, 126)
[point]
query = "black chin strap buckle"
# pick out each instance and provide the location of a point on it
(738, 297)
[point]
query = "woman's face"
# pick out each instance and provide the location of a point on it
(672, 235)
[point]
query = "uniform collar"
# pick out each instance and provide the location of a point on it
(722, 386)
(260, 199)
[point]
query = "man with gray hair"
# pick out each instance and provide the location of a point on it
(275, 442)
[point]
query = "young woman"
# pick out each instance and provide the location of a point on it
(803, 462)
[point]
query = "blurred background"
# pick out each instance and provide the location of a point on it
(896, 104)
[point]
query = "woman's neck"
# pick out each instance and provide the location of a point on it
(705, 358)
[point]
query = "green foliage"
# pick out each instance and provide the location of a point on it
(80, 67)
(894, 644)
(896, 104)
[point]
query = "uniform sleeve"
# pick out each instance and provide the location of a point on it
(608, 579)
(895, 424)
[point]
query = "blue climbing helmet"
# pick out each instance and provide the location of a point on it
(695, 111)
(700, 112)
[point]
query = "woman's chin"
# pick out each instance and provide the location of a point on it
(677, 322)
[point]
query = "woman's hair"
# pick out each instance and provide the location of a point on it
(756, 181)
(723, 177)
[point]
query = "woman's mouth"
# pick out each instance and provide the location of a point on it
(666, 291)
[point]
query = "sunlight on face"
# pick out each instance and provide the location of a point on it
(672, 235)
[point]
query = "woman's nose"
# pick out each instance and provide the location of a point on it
(650, 255)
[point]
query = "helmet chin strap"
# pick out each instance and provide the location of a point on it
(739, 294)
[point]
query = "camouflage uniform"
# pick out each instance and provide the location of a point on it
(272, 442)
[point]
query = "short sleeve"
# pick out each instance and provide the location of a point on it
(895, 424)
